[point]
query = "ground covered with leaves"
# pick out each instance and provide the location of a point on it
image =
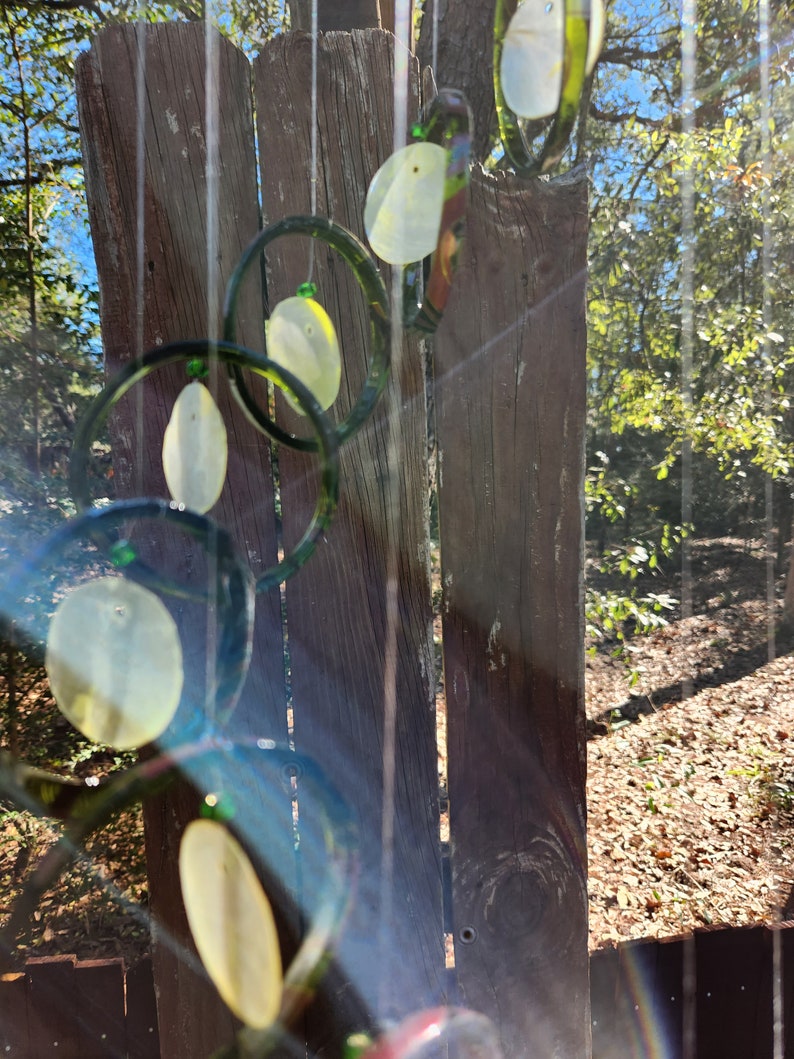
(690, 801)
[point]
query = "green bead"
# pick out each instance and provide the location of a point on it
(356, 1044)
(306, 290)
(217, 807)
(197, 369)
(122, 554)
(418, 131)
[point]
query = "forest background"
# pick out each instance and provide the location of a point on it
(690, 342)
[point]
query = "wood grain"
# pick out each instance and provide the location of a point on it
(465, 59)
(509, 391)
(337, 606)
(172, 300)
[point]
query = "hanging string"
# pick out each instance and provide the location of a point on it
(688, 77)
(140, 169)
(434, 51)
(214, 295)
(402, 54)
(766, 316)
(688, 73)
(766, 310)
(315, 33)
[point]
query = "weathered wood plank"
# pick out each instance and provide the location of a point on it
(143, 1040)
(729, 968)
(348, 14)
(173, 299)
(53, 1027)
(14, 1036)
(509, 387)
(337, 606)
(465, 58)
(99, 1008)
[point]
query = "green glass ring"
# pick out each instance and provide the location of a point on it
(577, 36)
(232, 592)
(86, 808)
(351, 250)
(449, 123)
(233, 356)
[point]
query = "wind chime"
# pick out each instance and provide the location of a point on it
(113, 651)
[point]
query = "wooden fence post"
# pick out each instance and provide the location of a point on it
(337, 612)
(509, 390)
(155, 203)
(510, 396)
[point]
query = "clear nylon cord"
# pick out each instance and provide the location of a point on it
(393, 395)
(688, 102)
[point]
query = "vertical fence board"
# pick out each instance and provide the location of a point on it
(51, 1007)
(509, 388)
(729, 972)
(173, 302)
(143, 1039)
(336, 606)
(99, 996)
(637, 1001)
(603, 998)
(670, 1003)
(14, 1036)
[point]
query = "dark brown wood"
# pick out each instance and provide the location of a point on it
(604, 986)
(14, 1036)
(143, 1040)
(52, 1003)
(99, 1008)
(173, 301)
(336, 606)
(729, 971)
(509, 390)
(348, 14)
(387, 14)
(465, 59)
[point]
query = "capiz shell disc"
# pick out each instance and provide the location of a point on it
(533, 57)
(596, 38)
(402, 216)
(114, 662)
(195, 449)
(231, 922)
(301, 338)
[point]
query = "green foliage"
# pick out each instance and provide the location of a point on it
(739, 419)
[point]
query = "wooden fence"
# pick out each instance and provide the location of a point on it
(96, 1010)
(87, 1009)
(508, 363)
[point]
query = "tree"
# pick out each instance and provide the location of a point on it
(740, 422)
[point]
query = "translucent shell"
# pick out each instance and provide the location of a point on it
(195, 449)
(302, 339)
(231, 922)
(114, 662)
(533, 57)
(596, 36)
(402, 216)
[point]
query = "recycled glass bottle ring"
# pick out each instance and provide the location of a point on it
(232, 592)
(234, 357)
(88, 807)
(575, 62)
(366, 272)
(449, 123)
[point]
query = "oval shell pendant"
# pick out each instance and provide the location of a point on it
(231, 922)
(402, 216)
(114, 662)
(533, 56)
(302, 339)
(596, 36)
(194, 449)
